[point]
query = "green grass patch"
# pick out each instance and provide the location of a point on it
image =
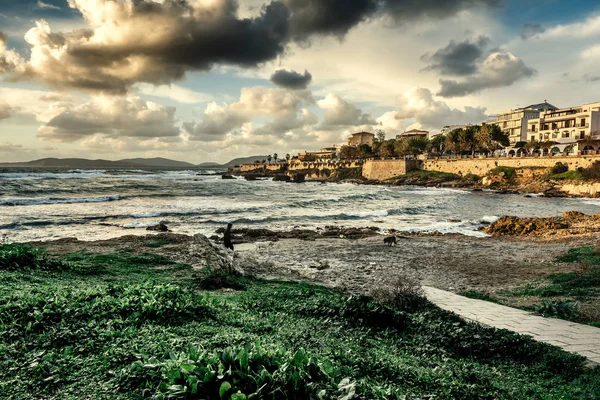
(156, 245)
(569, 175)
(509, 172)
(478, 295)
(141, 326)
(16, 257)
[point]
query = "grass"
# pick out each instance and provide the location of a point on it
(573, 296)
(478, 295)
(568, 175)
(156, 245)
(129, 326)
(509, 172)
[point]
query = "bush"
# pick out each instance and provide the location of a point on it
(209, 279)
(559, 309)
(592, 172)
(405, 294)
(363, 310)
(238, 373)
(509, 172)
(15, 257)
(559, 168)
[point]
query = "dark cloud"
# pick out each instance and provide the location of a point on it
(457, 58)
(498, 70)
(134, 41)
(291, 79)
(530, 30)
(337, 17)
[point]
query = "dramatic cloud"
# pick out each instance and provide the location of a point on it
(530, 30)
(419, 104)
(457, 58)
(498, 70)
(145, 41)
(337, 17)
(157, 41)
(108, 116)
(10, 60)
(291, 79)
(285, 109)
(174, 92)
(339, 112)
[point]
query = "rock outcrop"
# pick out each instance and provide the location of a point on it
(570, 223)
(207, 254)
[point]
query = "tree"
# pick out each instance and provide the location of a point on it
(364, 151)
(257, 162)
(287, 157)
(275, 157)
(264, 161)
(569, 148)
(468, 138)
(498, 135)
(453, 141)
(380, 135)
(530, 147)
(438, 144)
(348, 153)
(417, 145)
(546, 145)
(401, 147)
(386, 149)
(269, 158)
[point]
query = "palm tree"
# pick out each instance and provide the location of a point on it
(269, 158)
(530, 147)
(453, 142)
(275, 157)
(287, 157)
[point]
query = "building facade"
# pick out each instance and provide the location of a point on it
(361, 138)
(515, 122)
(413, 133)
(576, 129)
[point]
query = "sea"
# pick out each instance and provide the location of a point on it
(40, 205)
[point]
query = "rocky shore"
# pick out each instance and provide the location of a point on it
(569, 224)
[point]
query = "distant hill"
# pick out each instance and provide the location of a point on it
(158, 162)
(81, 163)
(234, 162)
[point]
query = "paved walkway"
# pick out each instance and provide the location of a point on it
(572, 337)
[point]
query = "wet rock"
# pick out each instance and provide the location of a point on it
(227, 176)
(282, 178)
(158, 228)
(571, 222)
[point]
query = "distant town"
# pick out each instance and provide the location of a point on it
(535, 130)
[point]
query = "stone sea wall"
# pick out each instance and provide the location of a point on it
(481, 166)
(380, 170)
(581, 189)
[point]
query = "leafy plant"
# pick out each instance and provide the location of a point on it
(14, 257)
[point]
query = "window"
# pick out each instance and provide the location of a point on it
(582, 135)
(565, 134)
(582, 122)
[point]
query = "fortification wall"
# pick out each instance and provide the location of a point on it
(331, 165)
(481, 166)
(381, 170)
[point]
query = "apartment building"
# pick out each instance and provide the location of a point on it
(515, 122)
(361, 138)
(413, 133)
(576, 129)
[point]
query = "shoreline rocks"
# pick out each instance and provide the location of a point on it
(570, 223)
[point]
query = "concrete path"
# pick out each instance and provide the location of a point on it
(572, 337)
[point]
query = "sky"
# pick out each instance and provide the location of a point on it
(211, 80)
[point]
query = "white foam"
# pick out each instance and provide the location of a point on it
(48, 200)
(367, 214)
(490, 219)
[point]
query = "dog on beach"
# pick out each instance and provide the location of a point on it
(390, 241)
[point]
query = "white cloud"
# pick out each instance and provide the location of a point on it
(109, 116)
(174, 92)
(46, 6)
(339, 112)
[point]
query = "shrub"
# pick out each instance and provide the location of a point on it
(405, 294)
(559, 168)
(363, 310)
(592, 172)
(15, 257)
(237, 373)
(560, 309)
(209, 279)
(509, 172)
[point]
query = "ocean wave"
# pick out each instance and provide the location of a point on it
(368, 214)
(50, 200)
(490, 219)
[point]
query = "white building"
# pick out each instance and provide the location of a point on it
(515, 122)
(576, 127)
